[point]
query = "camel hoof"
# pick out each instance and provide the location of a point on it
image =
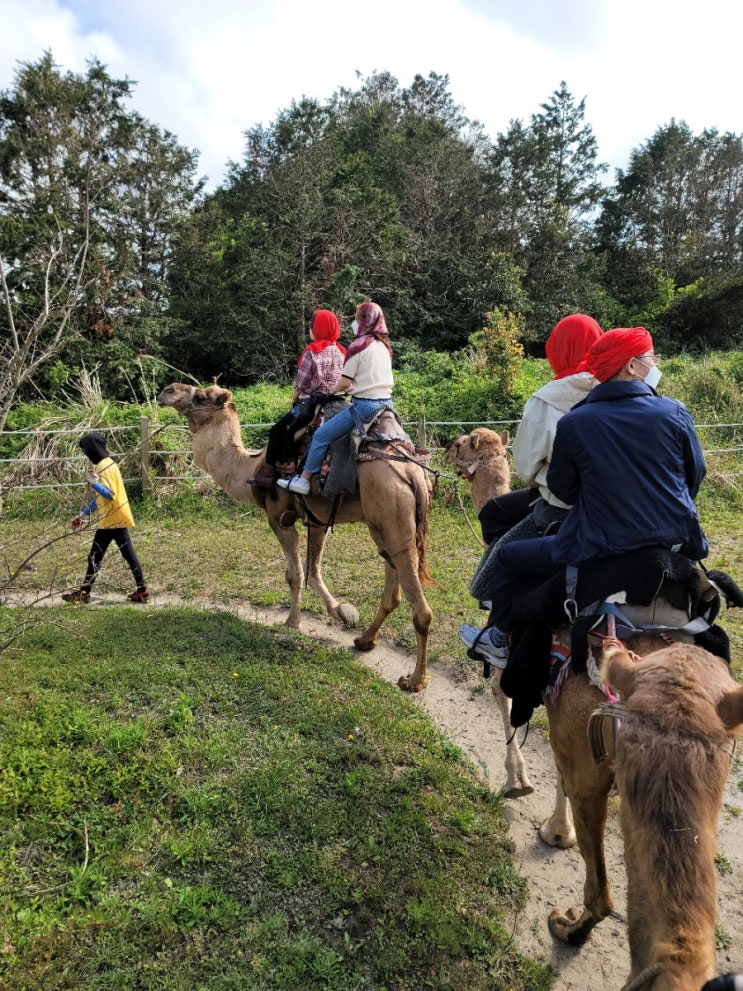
(348, 614)
(407, 685)
(519, 790)
(572, 927)
(360, 644)
(554, 838)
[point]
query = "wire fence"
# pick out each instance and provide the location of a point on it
(153, 453)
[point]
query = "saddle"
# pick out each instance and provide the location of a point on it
(651, 591)
(384, 437)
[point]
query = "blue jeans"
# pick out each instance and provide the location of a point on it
(338, 426)
(534, 557)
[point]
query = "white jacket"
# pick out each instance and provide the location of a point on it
(532, 445)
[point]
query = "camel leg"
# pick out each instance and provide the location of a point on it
(422, 615)
(407, 570)
(587, 786)
(558, 830)
(343, 611)
(289, 540)
(517, 779)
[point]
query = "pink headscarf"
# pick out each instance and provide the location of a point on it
(372, 327)
(568, 345)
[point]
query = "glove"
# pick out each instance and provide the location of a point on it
(78, 522)
(92, 476)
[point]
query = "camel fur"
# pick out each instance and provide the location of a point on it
(392, 499)
(673, 756)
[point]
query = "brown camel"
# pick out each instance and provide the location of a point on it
(673, 755)
(392, 499)
(480, 457)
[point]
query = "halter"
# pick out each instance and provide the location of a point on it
(467, 469)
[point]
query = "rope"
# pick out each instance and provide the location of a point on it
(480, 541)
(644, 977)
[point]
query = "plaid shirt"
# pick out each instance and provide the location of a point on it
(319, 372)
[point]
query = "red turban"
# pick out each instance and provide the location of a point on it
(615, 348)
(326, 331)
(568, 345)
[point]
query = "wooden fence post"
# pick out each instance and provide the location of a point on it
(421, 442)
(144, 447)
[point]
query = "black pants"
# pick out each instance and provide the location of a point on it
(101, 542)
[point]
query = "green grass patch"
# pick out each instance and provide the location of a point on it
(190, 801)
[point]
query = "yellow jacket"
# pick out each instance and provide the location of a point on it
(115, 512)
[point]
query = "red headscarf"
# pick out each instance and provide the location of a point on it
(372, 327)
(326, 331)
(615, 348)
(568, 345)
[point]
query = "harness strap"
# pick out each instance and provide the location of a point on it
(627, 628)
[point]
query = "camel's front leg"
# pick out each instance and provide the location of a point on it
(289, 540)
(517, 779)
(343, 611)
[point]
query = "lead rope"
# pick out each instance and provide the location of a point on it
(644, 977)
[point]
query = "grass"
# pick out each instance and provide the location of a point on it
(189, 801)
(192, 802)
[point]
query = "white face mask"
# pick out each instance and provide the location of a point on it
(653, 376)
(355, 328)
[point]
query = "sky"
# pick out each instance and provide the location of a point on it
(208, 70)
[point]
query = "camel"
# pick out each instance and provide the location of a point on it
(480, 457)
(392, 499)
(672, 756)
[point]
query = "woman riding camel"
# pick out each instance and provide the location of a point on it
(367, 375)
(629, 463)
(320, 365)
(533, 510)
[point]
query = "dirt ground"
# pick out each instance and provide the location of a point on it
(469, 718)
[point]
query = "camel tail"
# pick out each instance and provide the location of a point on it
(422, 513)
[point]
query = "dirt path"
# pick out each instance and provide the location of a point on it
(469, 717)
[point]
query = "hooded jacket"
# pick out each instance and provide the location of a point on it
(111, 507)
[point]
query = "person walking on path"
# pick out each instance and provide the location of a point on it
(112, 513)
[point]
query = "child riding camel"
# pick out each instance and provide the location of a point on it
(320, 365)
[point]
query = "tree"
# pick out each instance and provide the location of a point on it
(88, 198)
(544, 187)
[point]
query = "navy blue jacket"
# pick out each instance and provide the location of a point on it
(630, 464)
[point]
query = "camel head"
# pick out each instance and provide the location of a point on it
(190, 401)
(480, 447)
(682, 668)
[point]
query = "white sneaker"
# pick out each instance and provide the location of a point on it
(492, 645)
(296, 484)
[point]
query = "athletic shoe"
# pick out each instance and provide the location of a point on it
(141, 595)
(76, 595)
(296, 484)
(492, 645)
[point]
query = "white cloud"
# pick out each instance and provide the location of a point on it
(209, 71)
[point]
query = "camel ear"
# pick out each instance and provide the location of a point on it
(475, 438)
(730, 709)
(220, 397)
(504, 438)
(618, 670)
